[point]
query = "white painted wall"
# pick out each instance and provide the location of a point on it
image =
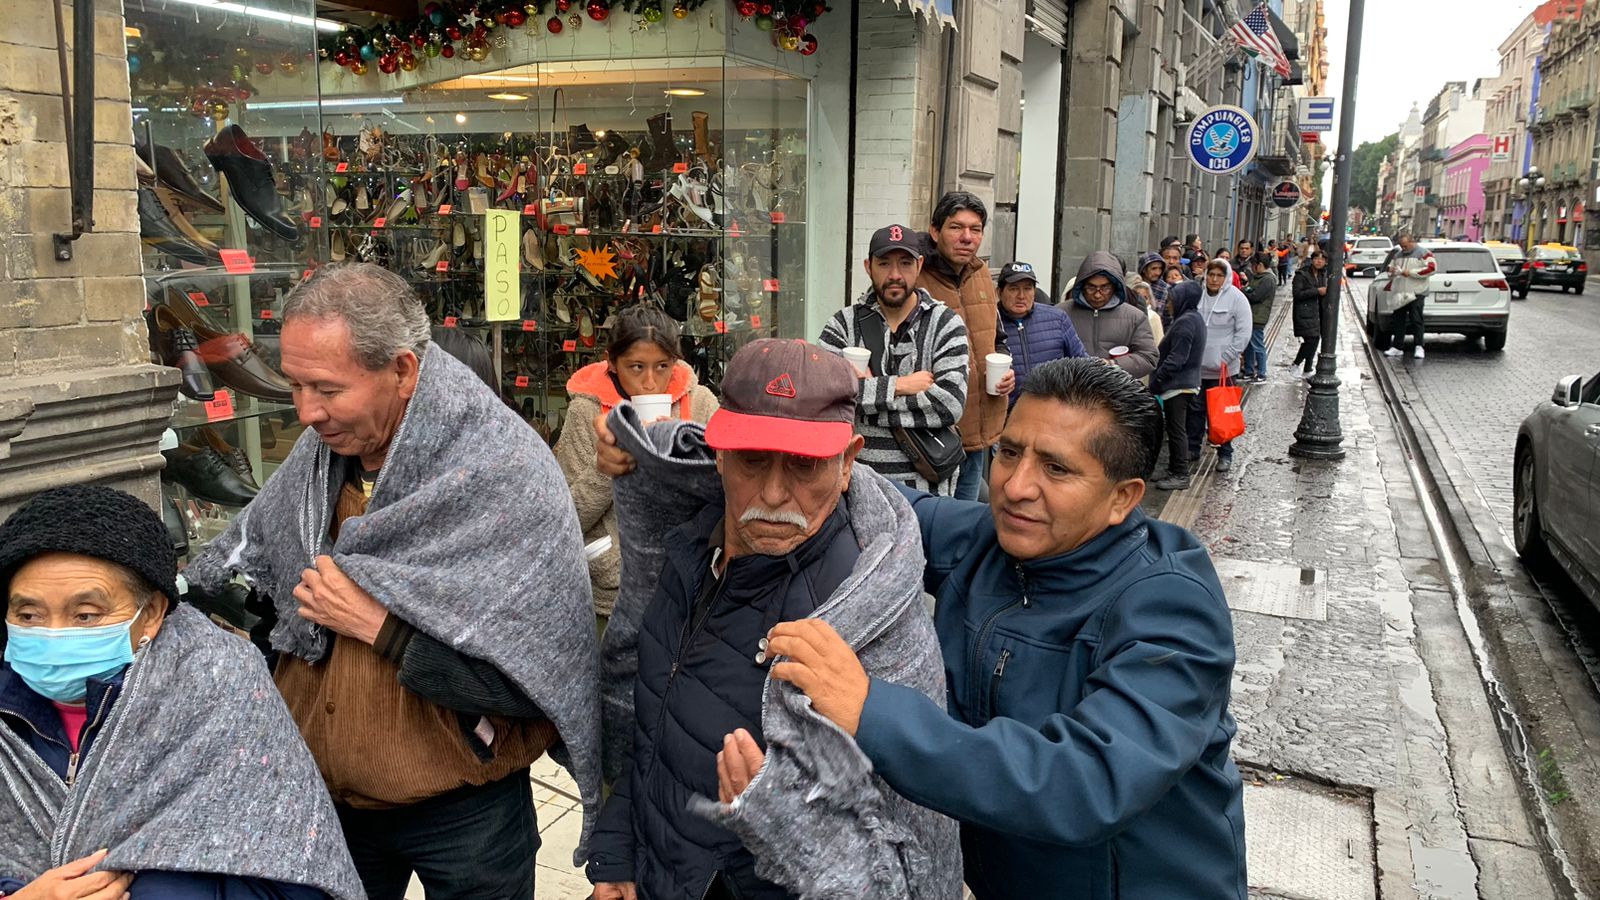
(1041, 153)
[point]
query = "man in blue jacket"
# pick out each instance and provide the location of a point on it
(1088, 652)
(1036, 333)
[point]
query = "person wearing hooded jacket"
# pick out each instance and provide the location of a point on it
(1151, 268)
(1100, 312)
(642, 358)
(1226, 312)
(1176, 380)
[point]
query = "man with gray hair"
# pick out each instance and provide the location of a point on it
(432, 631)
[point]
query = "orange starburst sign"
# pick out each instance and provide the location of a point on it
(601, 263)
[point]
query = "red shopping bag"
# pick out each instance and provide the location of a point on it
(1224, 411)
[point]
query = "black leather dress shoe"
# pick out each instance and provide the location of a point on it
(172, 517)
(158, 230)
(176, 346)
(173, 172)
(237, 460)
(204, 473)
(250, 182)
(231, 356)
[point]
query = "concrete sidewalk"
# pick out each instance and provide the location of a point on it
(1373, 763)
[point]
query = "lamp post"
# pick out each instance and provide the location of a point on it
(1319, 435)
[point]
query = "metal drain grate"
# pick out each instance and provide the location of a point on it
(1309, 843)
(1274, 589)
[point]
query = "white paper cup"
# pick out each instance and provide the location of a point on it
(997, 366)
(652, 406)
(860, 357)
(1119, 351)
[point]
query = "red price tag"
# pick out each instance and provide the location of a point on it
(580, 168)
(721, 326)
(444, 209)
(770, 285)
(522, 381)
(530, 325)
(199, 298)
(562, 229)
(755, 321)
(655, 229)
(342, 167)
(679, 168)
(779, 218)
(266, 314)
(450, 321)
(443, 266)
(529, 210)
(735, 231)
(220, 406)
(380, 221)
(570, 346)
(316, 221)
(238, 262)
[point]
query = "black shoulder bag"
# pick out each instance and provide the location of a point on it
(934, 452)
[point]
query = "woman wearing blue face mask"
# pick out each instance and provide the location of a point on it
(144, 752)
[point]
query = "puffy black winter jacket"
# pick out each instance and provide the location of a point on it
(698, 681)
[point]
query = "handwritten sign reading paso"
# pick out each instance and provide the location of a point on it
(502, 264)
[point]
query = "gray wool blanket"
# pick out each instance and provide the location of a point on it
(816, 818)
(470, 536)
(199, 768)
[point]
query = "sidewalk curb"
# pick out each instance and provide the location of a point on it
(1540, 714)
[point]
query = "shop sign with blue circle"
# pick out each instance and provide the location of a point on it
(1223, 140)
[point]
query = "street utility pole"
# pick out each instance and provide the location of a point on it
(1318, 436)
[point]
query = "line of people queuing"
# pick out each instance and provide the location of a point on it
(767, 708)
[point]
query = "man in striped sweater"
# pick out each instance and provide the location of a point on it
(921, 381)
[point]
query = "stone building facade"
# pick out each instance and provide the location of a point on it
(1563, 128)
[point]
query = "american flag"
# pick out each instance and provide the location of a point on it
(1254, 33)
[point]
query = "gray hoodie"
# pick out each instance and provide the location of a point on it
(1117, 324)
(1228, 326)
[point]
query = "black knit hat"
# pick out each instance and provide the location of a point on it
(90, 520)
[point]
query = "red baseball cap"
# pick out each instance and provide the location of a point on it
(786, 396)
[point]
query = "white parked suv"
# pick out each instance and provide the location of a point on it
(1368, 256)
(1467, 295)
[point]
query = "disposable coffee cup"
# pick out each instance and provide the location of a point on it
(1119, 351)
(860, 357)
(653, 406)
(998, 366)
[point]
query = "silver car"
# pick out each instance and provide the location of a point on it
(1557, 490)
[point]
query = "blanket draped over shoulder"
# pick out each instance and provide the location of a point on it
(199, 768)
(817, 819)
(470, 536)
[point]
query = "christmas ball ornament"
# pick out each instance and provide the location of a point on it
(554, 25)
(389, 64)
(342, 57)
(408, 63)
(764, 22)
(788, 41)
(264, 66)
(430, 49)
(653, 14)
(516, 18)
(598, 10)
(563, 5)
(448, 51)
(808, 45)
(575, 21)
(430, 9)
(500, 41)
(764, 8)
(236, 72)
(679, 11)
(478, 35)
(478, 52)
(454, 32)
(134, 63)
(418, 39)
(436, 17)
(394, 40)
(745, 8)
(219, 109)
(288, 63)
(368, 52)
(500, 17)
(242, 52)
(323, 52)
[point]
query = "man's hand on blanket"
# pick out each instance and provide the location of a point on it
(737, 764)
(822, 665)
(608, 457)
(329, 598)
(74, 881)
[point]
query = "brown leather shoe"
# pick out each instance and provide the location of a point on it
(173, 172)
(230, 355)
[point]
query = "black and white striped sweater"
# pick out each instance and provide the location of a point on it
(932, 339)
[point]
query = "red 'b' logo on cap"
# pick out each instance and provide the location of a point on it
(782, 386)
(895, 233)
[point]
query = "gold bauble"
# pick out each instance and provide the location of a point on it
(478, 52)
(680, 11)
(358, 68)
(409, 63)
(789, 42)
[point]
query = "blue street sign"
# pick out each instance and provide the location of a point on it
(1223, 140)
(1316, 113)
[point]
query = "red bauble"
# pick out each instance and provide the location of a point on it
(765, 8)
(479, 35)
(808, 45)
(554, 25)
(563, 5)
(500, 17)
(447, 51)
(746, 8)
(418, 39)
(342, 57)
(598, 10)
(453, 32)
(388, 64)
(516, 18)
(264, 67)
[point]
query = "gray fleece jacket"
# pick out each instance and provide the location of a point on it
(817, 819)
(1117, 323)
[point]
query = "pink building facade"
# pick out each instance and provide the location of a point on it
(1461, 203)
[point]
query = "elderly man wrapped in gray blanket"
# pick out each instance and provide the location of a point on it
(817, 820)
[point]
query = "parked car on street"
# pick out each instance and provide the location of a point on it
(1560, 265)
(1368, 256)
(1556, 491)
(1515, 265)
(1467, 295)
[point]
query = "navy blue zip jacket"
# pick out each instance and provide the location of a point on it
(35, 718)
(1184, 344)
(1085, 752)
(1045, 333)
(699, 680)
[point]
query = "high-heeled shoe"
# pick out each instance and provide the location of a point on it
(400, 208)
(363, 202)
(431, 261)
(533, 249)
(462, 182)
(337, 246)
(482, 168)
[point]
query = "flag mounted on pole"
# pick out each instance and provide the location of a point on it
(1254, 33)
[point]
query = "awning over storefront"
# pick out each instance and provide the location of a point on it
(1048, 19)
(939, 12)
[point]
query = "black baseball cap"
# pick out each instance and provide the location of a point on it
(1012, 272)
(786, 396)
(895, 237)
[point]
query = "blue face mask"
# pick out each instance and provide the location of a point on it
(58, 662)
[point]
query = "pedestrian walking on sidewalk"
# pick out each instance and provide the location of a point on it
(1411, 268)
(1261, 292)
(1311, 286)
(1176, 380)
(1285, 260)
(1227, 316)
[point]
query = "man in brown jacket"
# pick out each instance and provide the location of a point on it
(955, 276)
